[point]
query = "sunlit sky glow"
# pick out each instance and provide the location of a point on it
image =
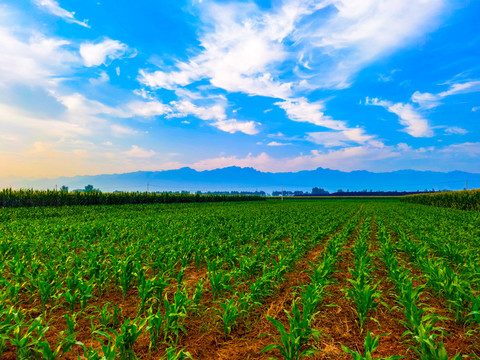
(95, 87)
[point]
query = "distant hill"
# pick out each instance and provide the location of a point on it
(249, 179)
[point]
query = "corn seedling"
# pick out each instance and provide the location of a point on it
(293, 344)
(370, 345)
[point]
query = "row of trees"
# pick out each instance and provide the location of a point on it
(316, 191)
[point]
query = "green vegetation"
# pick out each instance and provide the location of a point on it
(17, 198)
(198, 281)
(463, 200)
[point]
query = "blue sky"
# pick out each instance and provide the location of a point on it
(91, 87)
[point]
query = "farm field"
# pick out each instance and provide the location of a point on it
(319, 279)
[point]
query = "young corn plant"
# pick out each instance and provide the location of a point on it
(130, 331)
(228, 314)
(126, 275)
(370, 345)
(26, 342)
(155, 325)
(160, 284)
(220, 281)
(109, 348)
(68, 339)
(363, 294)
(46, 289)
(425, 335)
(175, 312)
(293, 344)
(364, 297)
(85, 289)
(173, 354)
(197, 295)
(124, 339)
(311, 295)
(146, 290)
(109, 318)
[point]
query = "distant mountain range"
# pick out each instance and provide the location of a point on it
(249, 179)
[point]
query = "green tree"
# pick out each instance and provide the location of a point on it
(89, 188)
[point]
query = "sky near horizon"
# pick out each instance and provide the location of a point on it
(94, 87)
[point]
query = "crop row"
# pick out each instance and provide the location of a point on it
(463, 200)
(30, 197)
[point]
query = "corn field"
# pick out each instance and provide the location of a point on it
(16, 198)
(298, 279)
(462, 200)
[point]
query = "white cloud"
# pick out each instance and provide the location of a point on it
(81, 108)
(428, 101)
(455, 130)
(214, 114)
(101, 79)
(244, 45)
(303, 111)
(328, 138)
(52, 7)
(343, 138)
(276, 143)
(461, 88)
(24, 124)
(465, 149)
(293, 47)
(476, 108)
(138, 152)
(32, 59)
(184, 108)
(232, 126)
(415, 124)
(121, 130)
(148, 109)
(357, 33)
(241, 49)
(104, 52)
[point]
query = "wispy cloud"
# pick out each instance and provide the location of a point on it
(415, 124)
(232, 126)
(303, 111)
(184, 108)
(276, 143)
(357, 33)
(54, 8)
(245, 46)
(121, 130)
(148, 108)
(455, 130)
(342, 138)
(33, 58)
(138, 152)
(428, 100)
(246, 49)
